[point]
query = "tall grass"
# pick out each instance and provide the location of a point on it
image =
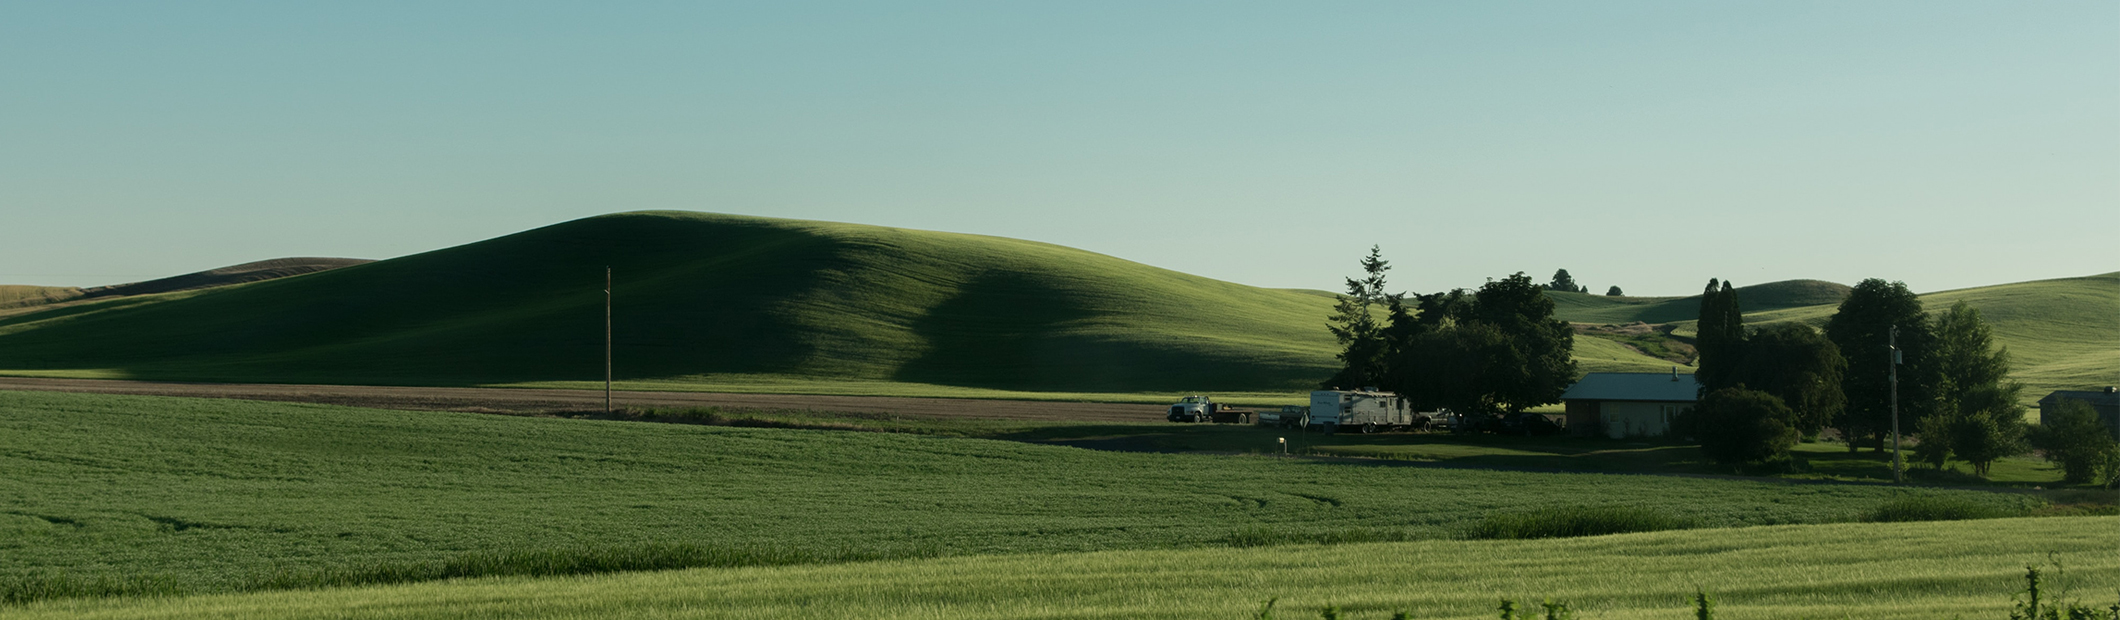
(1573, 521)
(499, 563)
(1936, 508)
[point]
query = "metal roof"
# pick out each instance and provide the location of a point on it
(2095, 398)
(1643, 386)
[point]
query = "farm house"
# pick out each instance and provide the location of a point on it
(1628, 404)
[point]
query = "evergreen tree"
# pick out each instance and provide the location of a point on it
(1614, 292)
(1860, 328)
(1721, 338)
(1361, 337)
(1801, 367)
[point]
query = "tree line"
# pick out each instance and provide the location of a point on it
(1764, 388)
(1493, 351)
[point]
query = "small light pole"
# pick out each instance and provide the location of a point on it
(1284, 446)
(1898, 475)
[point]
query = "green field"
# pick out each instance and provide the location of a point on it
(1963, 569)
(192, 495)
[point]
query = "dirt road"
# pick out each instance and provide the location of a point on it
(542, 400)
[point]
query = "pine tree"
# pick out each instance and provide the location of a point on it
(1721, 338)
(1360, 335)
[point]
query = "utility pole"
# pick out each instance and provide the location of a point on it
(607, 340)
(1893, 360)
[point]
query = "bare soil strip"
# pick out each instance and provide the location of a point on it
(513, 400)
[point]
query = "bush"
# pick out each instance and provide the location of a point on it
(1935, 508)
(2072, 436)
(1575, 521)
(1737, 425)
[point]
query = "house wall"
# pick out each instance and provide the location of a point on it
(1623, 419)
(1582, 418)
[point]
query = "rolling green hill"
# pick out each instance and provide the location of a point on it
(2062, 333)
(703, 294)
(1600, 309)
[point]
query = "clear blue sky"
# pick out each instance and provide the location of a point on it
(1648, 145)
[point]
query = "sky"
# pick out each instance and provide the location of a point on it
(1648, 145)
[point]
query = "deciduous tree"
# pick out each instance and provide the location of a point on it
(1801, 367)
(1614, 292)
(1860, 328)
(1736, 425)
(1564, 282)
(2071, 435)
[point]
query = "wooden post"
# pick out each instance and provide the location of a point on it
(607, 340)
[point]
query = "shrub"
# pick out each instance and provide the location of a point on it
(1737, 425)
(2072, 436)
(1935, 508)
(1575, 521)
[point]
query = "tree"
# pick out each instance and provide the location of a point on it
(1965, 355)
(1933, 437)
(1614, 292)
(1988, 425)
(1360, 336)
(1721, 338)
(1736, 425)
(1973, 399)
(1564, 282)
(1497, 349)
(2072, 436)
(1801, 367)
(1860, 328)
(1541, 365)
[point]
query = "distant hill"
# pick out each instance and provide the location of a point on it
(19, 299)
(718, 299)
(701, 294)
(2062, 333)
(233, 274)
(21, 296)
(1600, 309)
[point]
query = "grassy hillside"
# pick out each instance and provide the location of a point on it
(191, 495)
(1603, 310)
(703, 294)
(716, 300)
(1965, 569)
(19, 296)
